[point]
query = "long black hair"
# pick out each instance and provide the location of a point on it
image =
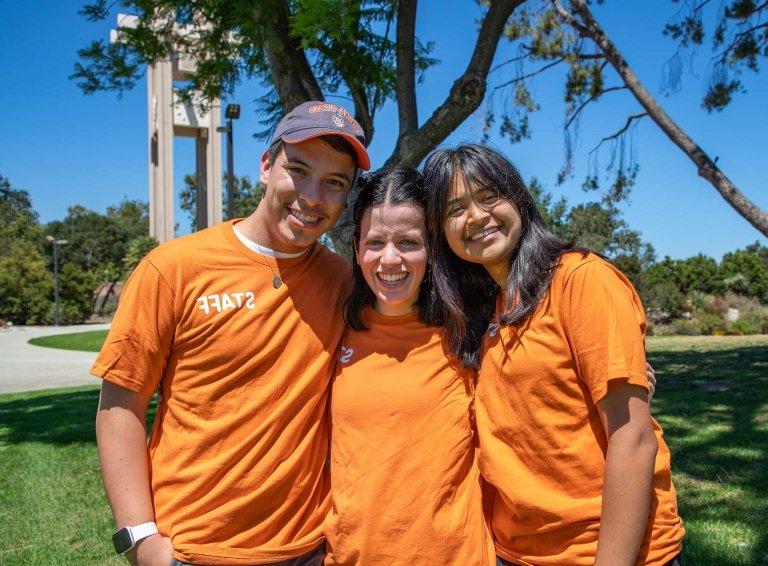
(466, 289)
(399, 185)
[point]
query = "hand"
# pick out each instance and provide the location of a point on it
(651, 374)
(155, 550)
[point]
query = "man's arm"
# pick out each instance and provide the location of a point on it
(122, 439)
(628, 479)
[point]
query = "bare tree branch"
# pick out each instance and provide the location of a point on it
(509, 61)
(584, 104)
(406, 67)
(465, 95)
(723, 55)
(529, 75)
(620, 131)
(588, 27)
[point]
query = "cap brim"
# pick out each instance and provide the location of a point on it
(363, 161)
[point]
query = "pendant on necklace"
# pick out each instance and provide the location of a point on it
(277, 282)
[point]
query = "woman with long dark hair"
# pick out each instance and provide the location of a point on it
(405, 486)
(579, 470)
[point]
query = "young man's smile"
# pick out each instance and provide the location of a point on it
(307, 186)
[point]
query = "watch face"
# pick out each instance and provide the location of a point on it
(122, 541)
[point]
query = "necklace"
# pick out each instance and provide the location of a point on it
(276, 281)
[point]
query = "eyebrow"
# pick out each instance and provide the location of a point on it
(296, 160)
(472, 193)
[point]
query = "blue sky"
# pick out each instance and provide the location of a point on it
(66, 148)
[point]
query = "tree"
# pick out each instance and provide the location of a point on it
(746, 274)
(559, 32)
(698, 273)
(304, 49)
(26, 286)
(137, 249)
(598, 227)
(98, 242)
(739, 40)
(312, 49)
(247, 197)
(18, 220)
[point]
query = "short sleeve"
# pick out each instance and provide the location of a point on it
(604, 323)
(136, 350)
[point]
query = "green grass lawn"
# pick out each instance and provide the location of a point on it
(712, 400)
(90, 341)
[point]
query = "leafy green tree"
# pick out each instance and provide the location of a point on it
(745, 273)
(304, 49)
(76, 293)
(99, 241)
(698, 273)
(247, 197)
(760, 251)
(18, 220)
(137, 249)
(26, 286)
(598, 227)
(368, 51)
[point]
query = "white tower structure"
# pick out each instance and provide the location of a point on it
(169, 116)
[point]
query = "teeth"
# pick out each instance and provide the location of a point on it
(393, 277)
(484, 233)
(305, 218)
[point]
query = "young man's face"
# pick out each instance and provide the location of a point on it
(306, 192)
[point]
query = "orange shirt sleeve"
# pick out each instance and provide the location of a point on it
(604, 323)
(139, 342)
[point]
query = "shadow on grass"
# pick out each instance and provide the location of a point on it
(51, 417)
(713, 406)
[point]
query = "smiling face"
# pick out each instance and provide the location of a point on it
(306, 192)
(392, 255)
(482, 227)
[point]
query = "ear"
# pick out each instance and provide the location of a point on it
(265, 167)
(355, 243)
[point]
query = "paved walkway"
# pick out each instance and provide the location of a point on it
(24, 367)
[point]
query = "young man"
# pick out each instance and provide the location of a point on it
(237, 326)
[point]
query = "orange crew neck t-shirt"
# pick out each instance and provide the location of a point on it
(239, 444)
(542, 444)
(405, 483)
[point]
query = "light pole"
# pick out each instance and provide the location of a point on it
(231, 113)
(56, 244)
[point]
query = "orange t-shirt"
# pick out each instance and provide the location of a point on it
(542, 443)
(238, 449)
(405, 487)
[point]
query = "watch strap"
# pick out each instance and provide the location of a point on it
(143, 531)
(127, 537)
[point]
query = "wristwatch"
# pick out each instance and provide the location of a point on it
(127, 537)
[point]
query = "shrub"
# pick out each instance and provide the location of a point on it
(709, 323)
(743, 326)
(754, 320)
(686, 327)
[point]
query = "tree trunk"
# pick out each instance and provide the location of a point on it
(292, 75)
(588, 27)
(464, 98)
